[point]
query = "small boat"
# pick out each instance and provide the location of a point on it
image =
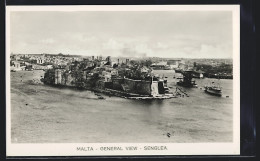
(213, 89)
(101, 97)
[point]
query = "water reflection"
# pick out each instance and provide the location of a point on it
(149, 102)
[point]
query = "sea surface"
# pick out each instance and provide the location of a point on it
(45, 114)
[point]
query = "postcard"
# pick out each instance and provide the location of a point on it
(123, 80)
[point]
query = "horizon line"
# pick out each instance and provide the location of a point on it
(120, 56)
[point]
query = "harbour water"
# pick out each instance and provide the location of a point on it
(45, 114)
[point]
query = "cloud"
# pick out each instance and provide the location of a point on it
(47, 41)
(167, 34)
(211, 51)
(113, 45)
(162, 45)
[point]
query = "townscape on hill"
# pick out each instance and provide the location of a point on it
(132, 78)
(212, 68)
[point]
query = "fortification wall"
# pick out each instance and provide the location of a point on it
(117, 83)
(144, 87)
(138, 86)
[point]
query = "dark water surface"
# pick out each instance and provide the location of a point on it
(44, 114)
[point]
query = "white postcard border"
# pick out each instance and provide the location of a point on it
(70, 149)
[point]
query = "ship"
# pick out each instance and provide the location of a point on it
(186, 80)
(213, 89)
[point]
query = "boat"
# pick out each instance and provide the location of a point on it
(213, 89)
(101, 97)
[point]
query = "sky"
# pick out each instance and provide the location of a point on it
(171, 34)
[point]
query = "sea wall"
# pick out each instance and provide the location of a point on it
(132, 86)
(144, 87)
(101, 84)
(138, 86)
(117, 83)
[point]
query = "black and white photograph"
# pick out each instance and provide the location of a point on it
(122, 80)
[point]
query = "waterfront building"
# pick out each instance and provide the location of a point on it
(198, 74)
(183, 66)
(40, 61)
(17, 57)
(173, 63)
(160, 66)
(17, 64)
